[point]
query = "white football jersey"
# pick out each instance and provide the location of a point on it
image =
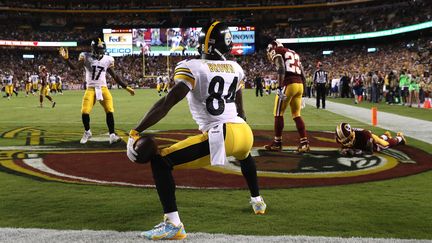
(8, 80)
(52, 79)
(34, 78)
(165, 79)
(96, 69)
(213, 87)
(267, 81)
(159, 80)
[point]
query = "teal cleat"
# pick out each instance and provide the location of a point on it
(165, 231)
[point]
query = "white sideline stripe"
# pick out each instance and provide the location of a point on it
(38, 164)
(20, 235)
(416, 128)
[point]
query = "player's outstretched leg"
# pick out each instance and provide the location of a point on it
(113, 138)
(276, 145)
(87, 133)
(248, 169)
(171, 228)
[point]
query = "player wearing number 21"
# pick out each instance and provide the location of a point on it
(290, 76)
(96, 65)
(212, 88)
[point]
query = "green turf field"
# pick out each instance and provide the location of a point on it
(399, 208)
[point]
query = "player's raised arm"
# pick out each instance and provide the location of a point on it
(119, 80)
(64, 53)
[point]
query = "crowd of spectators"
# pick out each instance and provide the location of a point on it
(270, 23)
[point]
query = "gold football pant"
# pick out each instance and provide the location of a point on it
(9, 89)
(89, 100)
(158, 87)
(194, 152)
(28, 87)
(294, 94)
(44, 90)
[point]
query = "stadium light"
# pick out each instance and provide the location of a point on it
(327, 52)
(28, 56)
(367, 35)
(372, 49)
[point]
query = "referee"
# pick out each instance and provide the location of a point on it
(320, 81)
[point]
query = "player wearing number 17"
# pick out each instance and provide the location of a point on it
(290, 76)
(96, 65)
(212, 88)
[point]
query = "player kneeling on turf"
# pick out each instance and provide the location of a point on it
(357, 141)
(212, 87)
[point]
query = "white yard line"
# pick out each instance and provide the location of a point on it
(19, 235)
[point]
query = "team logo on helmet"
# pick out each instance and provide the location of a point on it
(345, 135)
(228, 38)
(98, 48)
(271, 49)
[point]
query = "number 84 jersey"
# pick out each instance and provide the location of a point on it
(96, 69)
(213, 87)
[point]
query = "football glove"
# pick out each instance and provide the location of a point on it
(281, 95)
(64, 53)
(131, 153)
(130, 90)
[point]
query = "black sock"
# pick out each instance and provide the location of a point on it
(110, 122)
(165, 184)
(86, 121)
(248, 169)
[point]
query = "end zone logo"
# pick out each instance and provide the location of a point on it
(99, 163)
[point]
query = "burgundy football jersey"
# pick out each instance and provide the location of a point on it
(292, 65)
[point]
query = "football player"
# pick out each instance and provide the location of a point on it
(59, 84)
(357, 141)
(291, 79)
(28, 85)
(44, 90)
(159, 84)
(53, 83)
(8, 83)
(96, 65)
(166, 81)
(212, 87)
(267, 84)
(35, 82)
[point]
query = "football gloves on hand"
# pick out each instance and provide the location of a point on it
(130, 90)
(281, 95)
(131, 153)
(64, 53)
(351, 152)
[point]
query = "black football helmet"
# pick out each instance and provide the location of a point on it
(215, 40)
(98, 48)
(345, 134)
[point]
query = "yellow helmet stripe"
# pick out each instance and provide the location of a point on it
(339, 131)
(207, 38)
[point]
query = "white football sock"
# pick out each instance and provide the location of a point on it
(256, 199)
(173, 217)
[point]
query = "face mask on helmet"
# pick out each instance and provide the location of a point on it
(215, 40)
(98, 48)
